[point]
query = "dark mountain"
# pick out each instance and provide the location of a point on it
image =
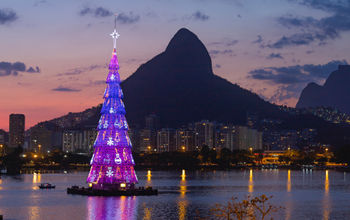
(334, 93)
(179, 86)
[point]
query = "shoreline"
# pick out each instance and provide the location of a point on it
(59, 169)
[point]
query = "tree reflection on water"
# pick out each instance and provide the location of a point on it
(105, 208)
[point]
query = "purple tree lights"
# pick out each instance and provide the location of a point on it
(112, 164)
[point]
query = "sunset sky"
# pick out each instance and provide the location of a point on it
(53, 54)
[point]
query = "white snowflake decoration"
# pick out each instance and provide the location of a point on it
(112, 77)
(111, 110)
(110, 142)
(105, 125)
(116, 124)
(109, 172)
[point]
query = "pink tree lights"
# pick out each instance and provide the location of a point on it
(112, 164)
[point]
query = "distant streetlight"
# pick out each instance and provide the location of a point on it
(251, 150)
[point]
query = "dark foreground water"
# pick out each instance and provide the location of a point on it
(304, 194)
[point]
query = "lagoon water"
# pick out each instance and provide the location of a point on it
(303, 194)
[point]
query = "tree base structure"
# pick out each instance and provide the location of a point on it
(141, 191)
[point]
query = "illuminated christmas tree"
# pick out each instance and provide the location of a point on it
(112, 164)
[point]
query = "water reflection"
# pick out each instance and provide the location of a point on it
(36, 179)
(183, 175)
(326, 201)
(106, 208)
(251, 182)
(34, 212)
(308, 199)
(289, 183)
(147, 212)
(149, 178)
(183, 184)
(182, 202)
(182, 206)
(289, 203)
(326, 183)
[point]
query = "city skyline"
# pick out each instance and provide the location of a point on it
(58, 73)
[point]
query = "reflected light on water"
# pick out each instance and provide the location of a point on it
(105, 208)
(251, 182)
(149, 178)
(183, 175)
(149, 175)
(183, 189)
(289, 182)
(182, 203)
(326, 202)
(326, 183)
(147, 212)
(183, 186)
(0, 184)
(289, 204)
(36, 177)
(34, 212)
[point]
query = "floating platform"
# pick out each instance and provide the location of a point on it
(141, 191)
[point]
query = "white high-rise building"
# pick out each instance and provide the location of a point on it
(247, 138)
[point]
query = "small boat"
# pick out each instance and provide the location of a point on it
(47, 186)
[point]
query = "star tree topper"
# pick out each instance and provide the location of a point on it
(115, 34)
